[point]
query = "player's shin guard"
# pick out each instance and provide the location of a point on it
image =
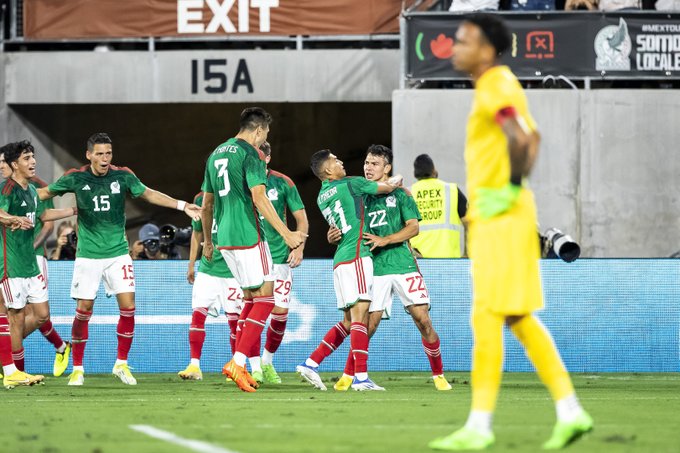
(232, 320)
(349, 365)
(79, 334)
(50, 333)
(125, 331)
(247, 306)
(5, 342)
(434, 355)
(277, 328)
(487, 359)
(542, 352)
(18, 357)
(197, 332)
(359, 341)
(255, 322)
(331, 341)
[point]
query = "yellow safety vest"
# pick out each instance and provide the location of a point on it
(441, 229)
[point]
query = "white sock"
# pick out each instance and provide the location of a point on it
(255, 364)
(61, 348)
(267, 357)
(347, 375)
(196, 362)
(120, 362)
(78, 368)
(362, 376)
(312, 363)
(240, 359)
(480, 421)
(568, 408)
(9, 369)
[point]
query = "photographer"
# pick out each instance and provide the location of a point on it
(151, 247)
(66, 243)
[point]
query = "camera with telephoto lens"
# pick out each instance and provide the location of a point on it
(72, 239)
(171, 236)
(556, 244)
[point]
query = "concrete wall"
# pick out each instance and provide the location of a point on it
(608, 173)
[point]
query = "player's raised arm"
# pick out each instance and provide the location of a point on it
(49, 215)
(161, 199)
(45, 194)
(292, 238)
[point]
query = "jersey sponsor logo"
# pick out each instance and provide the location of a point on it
(115, 187)
(273, 194)
(391, 201)
(86, 187)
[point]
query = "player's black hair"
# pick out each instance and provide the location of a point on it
(423, 167)
(381, 151)
(318, 159)
(100, 138)
(13, 151)
(493, 30)
(266, 148)
(254, 117)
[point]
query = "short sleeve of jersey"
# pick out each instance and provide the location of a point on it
(135, 186)
(293, 199)
(363, 186)
(407, 206)
(256, 171)
(503, 91)
(61, 185)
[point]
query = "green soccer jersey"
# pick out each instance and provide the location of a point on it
(385, 215)
(342, 204)
(17, 246)
(47, 204)
(283, 194)
(101, 208)
(216, 267)
(231, 171)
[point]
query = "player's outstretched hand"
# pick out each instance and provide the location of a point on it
(334, 235)
(375, 241)
(396, 181)
(193, 211)
(22, 223)
(295, 238)
(295, 257)
(208, 250)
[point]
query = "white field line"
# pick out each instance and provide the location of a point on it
(194, 445)
(139, 319)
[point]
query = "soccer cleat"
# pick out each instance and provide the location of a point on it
(77, 377)
(122, 371)
(191, 373)
(344, 383)
(565, 433)
(270, 374)
(20, 378)
(258, 376)
(61, 361)
(240, 376)
(463, 439)
(441, 383)
(367, 384)
(311, 375)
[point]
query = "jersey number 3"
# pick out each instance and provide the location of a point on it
(221, 166)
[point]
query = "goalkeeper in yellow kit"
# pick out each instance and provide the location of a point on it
(500, 150)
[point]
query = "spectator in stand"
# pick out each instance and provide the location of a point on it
(619, 5)
(66, 243)
(583, 5)
(474, 5)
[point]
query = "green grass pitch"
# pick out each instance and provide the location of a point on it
(632, 413)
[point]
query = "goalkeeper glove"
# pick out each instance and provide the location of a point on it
(493, 202)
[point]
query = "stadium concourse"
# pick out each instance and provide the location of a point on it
(176, 103)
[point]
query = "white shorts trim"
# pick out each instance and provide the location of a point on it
(409, 287)
(18, 291)
(283, 282)
(117, 273)
(252, 266)
(353, 281)
(215, 293)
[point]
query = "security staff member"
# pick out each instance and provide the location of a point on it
(442, 205)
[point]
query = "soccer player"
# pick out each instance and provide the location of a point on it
(22, 280)
(41, 230)
(235, 191)
(102, 253)
(501, 147)
(284, 196)
(341, 201)
(393, 220)
(214, 286)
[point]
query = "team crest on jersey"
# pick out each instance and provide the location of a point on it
(273, 194)
(115, 187)
(391, 201)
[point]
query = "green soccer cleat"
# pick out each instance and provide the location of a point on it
(565, 433)
(123, 373)
(463, 439)
(258, 376)
(77, 377)
(61, 361)
(344, 383)
(270, 374)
